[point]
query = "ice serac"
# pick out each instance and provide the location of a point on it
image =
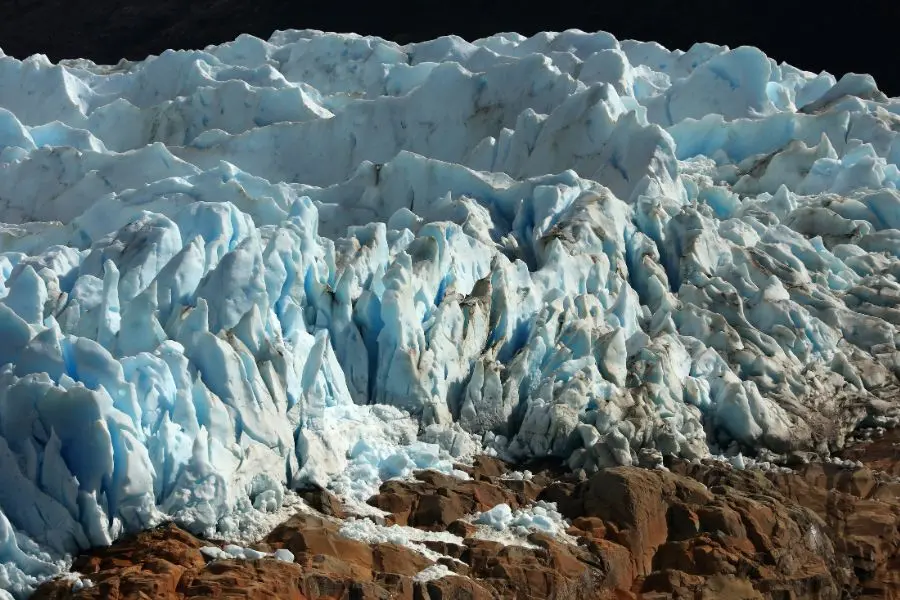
(332, 259)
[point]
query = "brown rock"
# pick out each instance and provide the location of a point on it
(672, 582)
(526, 491)
(568, 502)
(438, 510)
(316, 544)
(462, 528)
(457, 566)
(721, 586)
(592, 527)
(166, 563)
(675, 584)
(314, 539)
(167, 542)
(391, 558)
(699, 531)
(434, 500)
(244, 579)
(395, 499)
(615, 561)
(452, 588)
(487, 466)
(721, 518)
(683, 522)
(445, 548)
(698, 556)
(324, 501)
(638, 501)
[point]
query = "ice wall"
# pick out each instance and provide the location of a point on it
(331, 258)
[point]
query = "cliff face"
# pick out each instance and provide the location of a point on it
(822, 530)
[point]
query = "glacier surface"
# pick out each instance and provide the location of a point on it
(332, 259)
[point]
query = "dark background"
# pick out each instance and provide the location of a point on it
(854, 36)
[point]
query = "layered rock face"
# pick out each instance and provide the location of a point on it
(697, 530)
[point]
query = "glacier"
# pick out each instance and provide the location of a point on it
(331, 259)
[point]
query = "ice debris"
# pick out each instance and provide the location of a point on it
(433, 572)
(231, 551)
(331, 258)
(366, 530)
(502, 523)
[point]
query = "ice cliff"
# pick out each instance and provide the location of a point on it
(332, 258)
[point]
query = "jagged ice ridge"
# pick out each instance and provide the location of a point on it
(331, 258)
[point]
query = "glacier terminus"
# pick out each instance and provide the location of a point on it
(331, 259)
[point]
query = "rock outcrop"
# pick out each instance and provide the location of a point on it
(695, 531)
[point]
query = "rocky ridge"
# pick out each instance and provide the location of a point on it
(825, 530)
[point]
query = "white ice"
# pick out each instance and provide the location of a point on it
(234, 551)
(503, 524)
(366, 530)
(329, 258)
(433, 572)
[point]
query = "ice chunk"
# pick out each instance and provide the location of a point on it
(498, 517)
(433, 572)
(501, 523)
(284, 555)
